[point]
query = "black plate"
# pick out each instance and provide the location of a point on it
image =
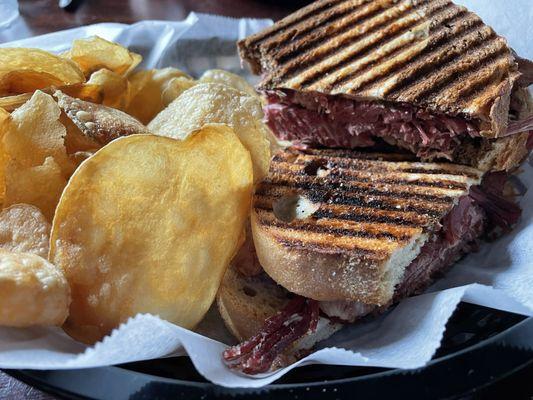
(480, 346)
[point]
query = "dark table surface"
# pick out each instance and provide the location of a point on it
(43, 16)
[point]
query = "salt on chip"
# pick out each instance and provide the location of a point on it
(34, 292)
(25, 70)
(40, 186)
(75, 140)
(99, 123)
(96, 53)
(115, 88)
(149, 224)
(147, 92)
(229, 79)
(217, 103)
(24, 229)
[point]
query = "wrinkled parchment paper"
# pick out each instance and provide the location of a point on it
(499, 276)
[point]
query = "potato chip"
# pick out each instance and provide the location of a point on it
(25, 70)
(174, 88)
(34, 292)
(115, 88)
(100, 123)
(4, 118)
(85, 91)
(41, 185)
(147, 92)
(24, 229)
(149, 225)
(75, 140)
(216, 103)
(92, 93)
(10, 103)
(4, 123)
(96, 53)
(228, 79)
(80, 156)
(35, 133)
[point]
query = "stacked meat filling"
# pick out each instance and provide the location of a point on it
(334, 121)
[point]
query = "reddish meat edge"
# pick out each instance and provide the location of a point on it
(483, 210)
(340, 122)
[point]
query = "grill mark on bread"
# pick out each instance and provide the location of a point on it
(385, 31)
(321, 33)
(349, 154)
(441, 49)
(291, 64)
(473, 83)
(436, 40)
(452, 71)
(364, 213)
(309, 185)
(306, 14)
(331, 230)
(400, 220)
(324, 197)
(351, 178)
(349, 168)
(263, 209)
(372, 58)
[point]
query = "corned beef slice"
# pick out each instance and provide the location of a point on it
(334, 121)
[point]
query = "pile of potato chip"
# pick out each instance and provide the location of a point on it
(123, 191)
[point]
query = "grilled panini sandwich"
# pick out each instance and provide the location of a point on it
(424, 75)
(350, 233)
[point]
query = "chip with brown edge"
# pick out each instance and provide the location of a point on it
(99, 123)
(149, 224)
(216, 103)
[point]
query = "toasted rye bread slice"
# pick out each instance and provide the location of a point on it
(344, 225)
(429, 53)
(245, 303)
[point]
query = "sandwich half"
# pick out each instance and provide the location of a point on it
(350, 233)
(423, 75)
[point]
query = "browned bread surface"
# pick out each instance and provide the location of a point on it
(368, 219)
(431, 53)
